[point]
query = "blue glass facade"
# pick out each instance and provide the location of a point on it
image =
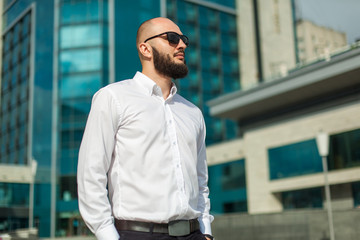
(25, 129)
(212, 57)
(227, 184)
(82, 70)
(129, 14)
(294, 160)
(15, 98)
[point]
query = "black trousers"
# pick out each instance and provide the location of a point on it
(132, 235)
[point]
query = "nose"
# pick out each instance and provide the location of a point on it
(181, 44)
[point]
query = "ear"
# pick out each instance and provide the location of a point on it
(145, 50)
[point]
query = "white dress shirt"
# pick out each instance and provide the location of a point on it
(142, 158)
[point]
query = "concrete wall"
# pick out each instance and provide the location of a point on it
(247, 45)
(292, 225)
(317, 41)
(276, 38)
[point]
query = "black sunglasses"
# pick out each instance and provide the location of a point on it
(172, 37)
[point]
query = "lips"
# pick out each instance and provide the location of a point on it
(180, 55)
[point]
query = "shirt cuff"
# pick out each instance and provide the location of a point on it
(205, 225)
(107, 233)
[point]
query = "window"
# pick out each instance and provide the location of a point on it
(82, 11)
(75, 86)
(227, 182)
(344, 150)
(233, 176)
(303, 157)
(15, 92)
(240, 206)
(80, 60)
(307, 198)
(68, 188)
(14, 194)
(356, 193)
(80, 36)
(294, 160)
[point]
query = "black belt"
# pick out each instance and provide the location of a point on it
(174, 228)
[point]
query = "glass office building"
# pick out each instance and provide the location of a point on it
(56, 55)
(212, 57)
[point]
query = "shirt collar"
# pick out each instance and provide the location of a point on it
(146, 82)
(151, 87)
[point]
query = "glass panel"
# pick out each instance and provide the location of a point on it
(25, 47)
(7, 41)
(73, 111)
(80, 86)
(81, 11)
(7, 62)
(233, 176)
(26, 26)
(80, 36)
(81, 60)
(231, 82)
(227, 3)
(356, 193)
(229, 44)
(14, 194)
(227, 183)
(307, 198)
(231, 129)
(228, 23)
(68, 188)
(16, 34)
(344, 150)
(15, 55)
(24, 71)
(240, 206)
(294, 160)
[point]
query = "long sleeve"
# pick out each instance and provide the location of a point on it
(95, 158)
(204, 202)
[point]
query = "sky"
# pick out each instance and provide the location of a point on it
(341, 15)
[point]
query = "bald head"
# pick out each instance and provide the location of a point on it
(153, 27)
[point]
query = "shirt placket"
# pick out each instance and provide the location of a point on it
(170, 124)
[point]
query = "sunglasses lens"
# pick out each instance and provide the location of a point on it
(185, 39)
(174, 38)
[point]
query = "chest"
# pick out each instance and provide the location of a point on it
(156, 119)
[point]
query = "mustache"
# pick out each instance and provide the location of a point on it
(182, 52)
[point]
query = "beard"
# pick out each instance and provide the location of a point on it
(165, 66)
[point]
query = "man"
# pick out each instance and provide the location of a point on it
(142, 170)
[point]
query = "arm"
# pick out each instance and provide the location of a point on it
(204, 202)
(94, 161)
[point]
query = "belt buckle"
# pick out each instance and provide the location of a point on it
(179, 228)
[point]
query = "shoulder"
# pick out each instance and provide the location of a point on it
(115, 89)
(119, 86)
